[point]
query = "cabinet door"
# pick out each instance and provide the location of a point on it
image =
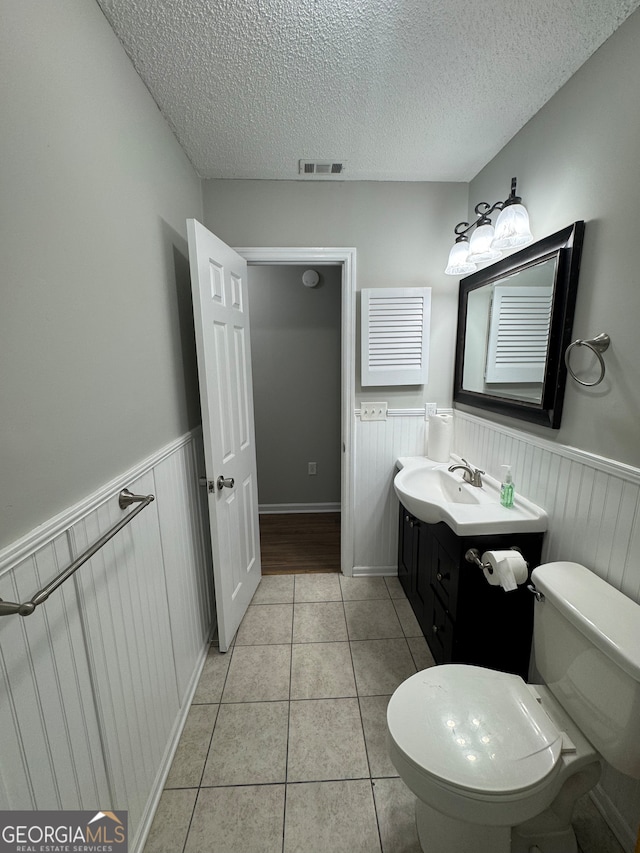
(444, 577)
(414, 566)
(441, 639)
(494, 628)
(407, 552)
(424, 592)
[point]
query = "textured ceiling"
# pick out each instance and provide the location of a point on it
(426, 90)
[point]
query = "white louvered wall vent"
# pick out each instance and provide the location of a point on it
(395, 335)
(322, 168)
(519, 334)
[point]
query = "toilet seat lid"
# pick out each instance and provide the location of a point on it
(474, 728)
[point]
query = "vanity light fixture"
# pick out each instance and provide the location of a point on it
(486, 244)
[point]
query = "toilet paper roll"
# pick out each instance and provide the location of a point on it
(508, 569)
(439, 437)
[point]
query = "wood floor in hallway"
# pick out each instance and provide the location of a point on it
(292, 543)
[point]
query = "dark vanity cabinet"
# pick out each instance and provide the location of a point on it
(463, 618)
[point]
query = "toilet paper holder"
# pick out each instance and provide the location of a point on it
(473, 556)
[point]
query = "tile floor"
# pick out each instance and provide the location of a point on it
(284, 746)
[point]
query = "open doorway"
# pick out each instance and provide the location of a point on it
(295, 314)
(341, 263)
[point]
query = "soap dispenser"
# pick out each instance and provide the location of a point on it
(506, 489)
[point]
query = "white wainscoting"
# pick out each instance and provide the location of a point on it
(378, 444)
(594, 519)
(592, 502)
(95, 684)
(50, 739)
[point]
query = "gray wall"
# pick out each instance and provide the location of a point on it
(402, 233)
(96, 337)
(578, 159)
(295, 358)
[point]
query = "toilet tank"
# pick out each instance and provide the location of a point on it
(587, 650)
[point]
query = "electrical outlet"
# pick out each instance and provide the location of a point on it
(430, 409)
(373, 411)
(312, 468)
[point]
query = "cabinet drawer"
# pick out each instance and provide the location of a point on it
(443, 577)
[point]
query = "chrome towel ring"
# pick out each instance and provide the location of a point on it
(597, 345)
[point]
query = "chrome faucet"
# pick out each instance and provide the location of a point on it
(473, 476)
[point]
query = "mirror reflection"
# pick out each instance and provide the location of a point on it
(507, 335)
(514, 325)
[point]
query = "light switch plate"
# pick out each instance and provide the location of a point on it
(373, 411)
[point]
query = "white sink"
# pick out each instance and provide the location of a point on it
(433, 493)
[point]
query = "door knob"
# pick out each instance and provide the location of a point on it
(225, 483)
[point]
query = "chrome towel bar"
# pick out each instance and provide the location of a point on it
(125, 499)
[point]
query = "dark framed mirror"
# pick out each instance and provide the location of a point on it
(514, 323)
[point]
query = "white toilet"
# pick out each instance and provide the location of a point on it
(497, 764)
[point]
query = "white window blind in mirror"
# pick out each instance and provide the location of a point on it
(395, 335)
(519, 334)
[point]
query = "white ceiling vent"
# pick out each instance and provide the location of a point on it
(321, 168)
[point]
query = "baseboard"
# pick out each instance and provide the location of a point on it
(146, 821)
(617, 824)
(279, 509)
(375, 571)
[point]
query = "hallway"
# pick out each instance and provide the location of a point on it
(284, 746)
(293, 543)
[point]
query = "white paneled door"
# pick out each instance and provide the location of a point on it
(219, 286)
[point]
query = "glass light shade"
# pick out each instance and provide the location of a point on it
(512, 228)
(458, 263)
(480, 247)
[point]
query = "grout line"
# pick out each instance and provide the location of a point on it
(193, 811)
(287, 782)
(375, 811)
(195, 802)
(292, 782)
(286, 758)
(200, 787)
(355, 681)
